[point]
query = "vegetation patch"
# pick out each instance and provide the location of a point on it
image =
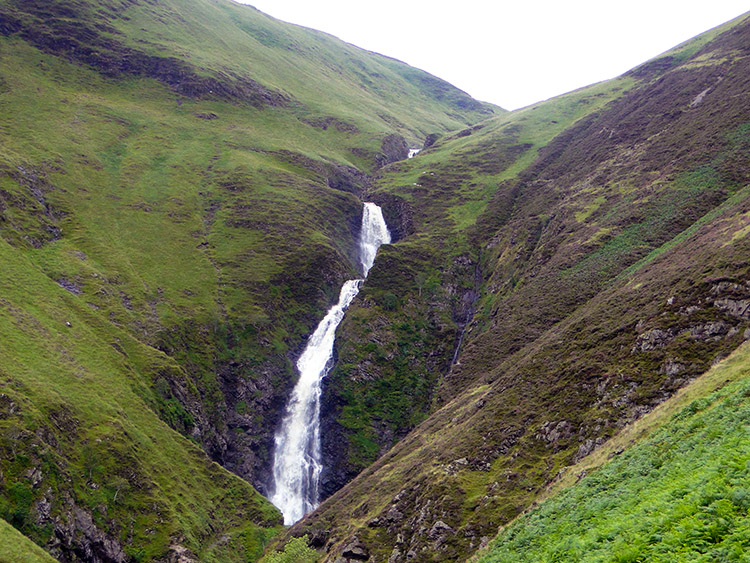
(680, 495)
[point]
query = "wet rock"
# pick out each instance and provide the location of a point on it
(398, 213)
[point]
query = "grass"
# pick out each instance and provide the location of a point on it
(162, 257)
(15, 548)
(676, 494)
(101, 437)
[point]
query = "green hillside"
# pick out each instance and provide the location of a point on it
(681, 495)
(181, 186)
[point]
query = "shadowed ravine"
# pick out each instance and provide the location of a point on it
(297, 458)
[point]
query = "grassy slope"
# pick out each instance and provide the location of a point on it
(609, 258)
(15, 548)
(678, 495)
(78, 434)
(182, 232)
(317, 74)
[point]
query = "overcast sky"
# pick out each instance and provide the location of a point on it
(512, 53)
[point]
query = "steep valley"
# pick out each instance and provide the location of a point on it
(181, 189)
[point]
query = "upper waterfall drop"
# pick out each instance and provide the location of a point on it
(297, 460)
(373, 234)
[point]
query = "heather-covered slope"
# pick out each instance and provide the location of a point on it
(679, 496)
(179, 199)
(594, 246)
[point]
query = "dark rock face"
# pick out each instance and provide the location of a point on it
(430, 140)
(394, 148)
(248, 441)
(334, 444)
(76, 537)
(398, 215)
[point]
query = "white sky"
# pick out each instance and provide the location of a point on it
(512, 52)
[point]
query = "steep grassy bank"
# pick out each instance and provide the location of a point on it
(89, 470)
(678, 496)
(613, 268)
(15, 548)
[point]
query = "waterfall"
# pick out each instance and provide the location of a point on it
(374, 233)
(297, 458)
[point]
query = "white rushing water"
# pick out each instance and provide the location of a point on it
(374, 233)
(297, 459)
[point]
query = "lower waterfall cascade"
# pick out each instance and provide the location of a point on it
(297, 455)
